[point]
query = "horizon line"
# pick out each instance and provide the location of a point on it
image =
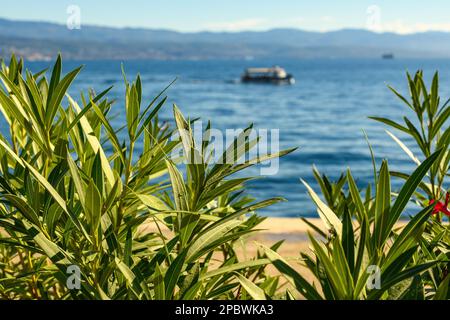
(58, 23)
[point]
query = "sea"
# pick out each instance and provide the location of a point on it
(325, 113)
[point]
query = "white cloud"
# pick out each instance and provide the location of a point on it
(325, 23)
(399, 26)
(238, 25)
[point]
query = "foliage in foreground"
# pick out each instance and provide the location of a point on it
(362, 237)
(73, 194)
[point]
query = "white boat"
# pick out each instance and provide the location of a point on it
(276, 75)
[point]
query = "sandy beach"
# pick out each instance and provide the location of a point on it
(293, 231)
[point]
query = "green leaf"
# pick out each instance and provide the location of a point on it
(408, 189)
(442, 291)
(405, 274)
(87, 108)
(256, 292)
(56, 74)
(404, 147)
(439, 122)
(23, 207)
(160, 290)
(132, 110)
(392, 124)
(78, 182)
(300, 283)
(348, 240)
(97, 174)
(209, 237)
(188, 224)
(329, 218)
(128, 274)
(180, 193)
(93, 206)
(356, 197)
(152, 202)
(409, 234)
(234, 267)
(109, 130)
(95, 144)
(434, 96)
(173, 274)
(401, 97)
(382, 204)
(364, 234)
(58, 95)
(46, 185)
(314, 227)
(332, 271)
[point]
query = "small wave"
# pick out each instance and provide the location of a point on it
(334, 158)
(110, 81)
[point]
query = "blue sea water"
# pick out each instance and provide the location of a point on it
(323, 114)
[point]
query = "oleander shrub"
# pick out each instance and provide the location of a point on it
(429, 130)
(136, 224)
(361, 240)
(136, 219)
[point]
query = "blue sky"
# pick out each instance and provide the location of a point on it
(400, 16)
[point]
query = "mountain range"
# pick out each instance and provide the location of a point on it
(37, 40)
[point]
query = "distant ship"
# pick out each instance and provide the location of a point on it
(275, 75)
(388, 56)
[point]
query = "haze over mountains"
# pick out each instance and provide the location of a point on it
(41, 41)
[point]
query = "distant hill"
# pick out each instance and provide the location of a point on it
(41, 40)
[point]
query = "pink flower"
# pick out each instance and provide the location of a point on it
(441, 207)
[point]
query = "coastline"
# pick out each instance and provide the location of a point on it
(292, 230)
